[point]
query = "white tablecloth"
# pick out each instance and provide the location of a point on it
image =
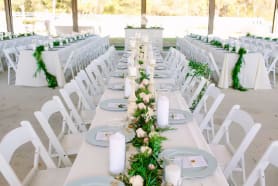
(54, 60)
(93, 161)
(253, 73)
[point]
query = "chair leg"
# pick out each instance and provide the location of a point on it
(9, 74)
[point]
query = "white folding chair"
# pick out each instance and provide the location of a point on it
(79, 109)
(203, 114)
(272, 66)
(68, 140)
(11, 57)
(35, 177)
(268, 158)
(96, 77)
(229, 158)
(87, 89)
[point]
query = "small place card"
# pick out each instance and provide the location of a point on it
(103, 135)
(177, 116)
(191, 161)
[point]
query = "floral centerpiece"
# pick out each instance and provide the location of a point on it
(145, 167)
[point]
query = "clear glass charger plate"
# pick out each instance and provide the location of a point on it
(122, 66)
(91, 135)
(118, 74)
(166, 87)
(96, 181)
(116, 86)
(160, 67)
(161, 75)
(114, 105)
(178, 116)
(191, 173)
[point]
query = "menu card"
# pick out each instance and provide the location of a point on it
(191, 161)
(103, 135)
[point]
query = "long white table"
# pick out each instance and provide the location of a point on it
(93, 161)
(253, 73)
(55, 60)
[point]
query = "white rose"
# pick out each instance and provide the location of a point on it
(152, 134)
(136, 180)
(141, 86)
(140, 133)
(146, 149)
(142, 95)
(150, 112)
(145, 82)
(146, 98)
(141, 106)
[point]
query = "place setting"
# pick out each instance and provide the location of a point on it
(99, 136)
(115, 105)
(166, 87)
(187, 163)
(96, 181)
(161, 75)
(118, 74)
(178, 117)
(117, 86)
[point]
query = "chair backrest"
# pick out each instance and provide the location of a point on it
(95, 76)
(217, 96)
(48, 109)
(87, 89)
(268, 158)
(241, 118)
(75, 106)
(11, 57)
(11, 142)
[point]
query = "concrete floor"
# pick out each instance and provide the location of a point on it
(19, 103)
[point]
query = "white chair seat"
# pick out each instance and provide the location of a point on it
(87, 116)
(50, 177)
(72, 142)
(222, 154)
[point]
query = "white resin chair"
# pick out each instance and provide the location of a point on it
(79, 109)
(11, 58)
(271, 69)
(35, 177)
(96, 77)
(87, 88)
(230, 158)
(268, 158)
(204, 113)
(68, 140)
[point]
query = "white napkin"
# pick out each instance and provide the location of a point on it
(116, 153)
(127, 88)
(162, 111)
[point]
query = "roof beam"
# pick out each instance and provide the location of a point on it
(211, 16)
(9, 16)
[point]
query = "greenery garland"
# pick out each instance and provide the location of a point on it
(51, 79)
(236, 71)
(145, 165)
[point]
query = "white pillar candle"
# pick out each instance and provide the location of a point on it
(152, 62)
(132, 71)
(172, 174)
(116, 153)
(127, 88)
(162, 111)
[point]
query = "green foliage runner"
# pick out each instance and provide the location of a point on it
(236, 71)
(51, 79)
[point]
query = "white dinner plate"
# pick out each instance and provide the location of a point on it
(177, 116)
(114, 105)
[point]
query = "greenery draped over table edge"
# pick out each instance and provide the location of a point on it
(236, 70)
(51, 79)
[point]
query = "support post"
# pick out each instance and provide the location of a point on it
(211, 16)
(74, 15)
(143, 12)
(274, 20)
(9, 16)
